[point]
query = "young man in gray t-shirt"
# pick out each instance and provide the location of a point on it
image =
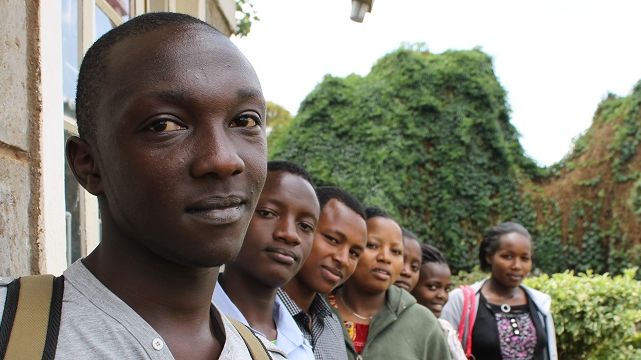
(171, 118)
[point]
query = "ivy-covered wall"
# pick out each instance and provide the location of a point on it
(428, 138)
(588, 205)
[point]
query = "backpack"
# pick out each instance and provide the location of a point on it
(468, 317)
(31, 321)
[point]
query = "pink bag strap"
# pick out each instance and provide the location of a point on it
(468, 317)
(466, 306)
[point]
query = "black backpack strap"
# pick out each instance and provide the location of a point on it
(10, 305)
(32, 313)
(55, 313)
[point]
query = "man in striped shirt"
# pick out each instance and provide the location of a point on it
(339, 240)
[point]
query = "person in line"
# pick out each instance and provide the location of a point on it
(339, 241)
(411, 261)
(171, 118)
(378, 317)
(432, 292)
(278, 242)
(511, 321)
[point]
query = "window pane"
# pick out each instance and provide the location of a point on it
(69, 53)
(103, 24)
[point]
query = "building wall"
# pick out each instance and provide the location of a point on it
(18, 138)
(32, 202)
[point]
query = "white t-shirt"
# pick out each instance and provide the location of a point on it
(97, 324)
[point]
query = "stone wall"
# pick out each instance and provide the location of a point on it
(18, 141)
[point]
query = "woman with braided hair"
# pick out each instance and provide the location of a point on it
(432, 290)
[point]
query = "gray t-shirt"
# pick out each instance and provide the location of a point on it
(96, 324)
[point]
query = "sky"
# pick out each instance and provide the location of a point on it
(557, 59)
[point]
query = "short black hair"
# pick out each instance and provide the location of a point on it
(430, 254)
(291, 168)
(93, 70)
(492, 238)
(327, 193)
(372, 212)
(408, 234)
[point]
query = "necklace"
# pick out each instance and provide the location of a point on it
(365, 318)
(505, 307)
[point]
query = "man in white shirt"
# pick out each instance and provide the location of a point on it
(277, 243)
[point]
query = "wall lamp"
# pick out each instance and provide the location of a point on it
(359, 8)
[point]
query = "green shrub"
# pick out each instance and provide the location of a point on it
(595, 315)
(428, 137)
(468, 277)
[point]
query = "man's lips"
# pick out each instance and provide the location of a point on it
(283, 256)
(219, 210)
(331, 273)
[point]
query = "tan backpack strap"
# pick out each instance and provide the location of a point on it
(254, 345)
(34, 332)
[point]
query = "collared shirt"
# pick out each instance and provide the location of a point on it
(321, 327)
(289, 337)
(97, 324)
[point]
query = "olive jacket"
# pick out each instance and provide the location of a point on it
(401, 330)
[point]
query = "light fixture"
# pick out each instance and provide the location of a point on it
(359, 8)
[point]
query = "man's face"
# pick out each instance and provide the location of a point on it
(281, 232)
(180, 145)
(338, 243)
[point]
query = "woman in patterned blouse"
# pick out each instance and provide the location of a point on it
(511, 321)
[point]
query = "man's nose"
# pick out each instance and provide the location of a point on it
(216, 154)
(286, 231)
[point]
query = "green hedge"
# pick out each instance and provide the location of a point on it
(596, 316)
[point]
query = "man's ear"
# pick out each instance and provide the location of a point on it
(83, 164)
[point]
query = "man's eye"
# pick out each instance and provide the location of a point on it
(330, 239)
(246, 121)
(265, 213)
(165, 126)
(306, 227)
